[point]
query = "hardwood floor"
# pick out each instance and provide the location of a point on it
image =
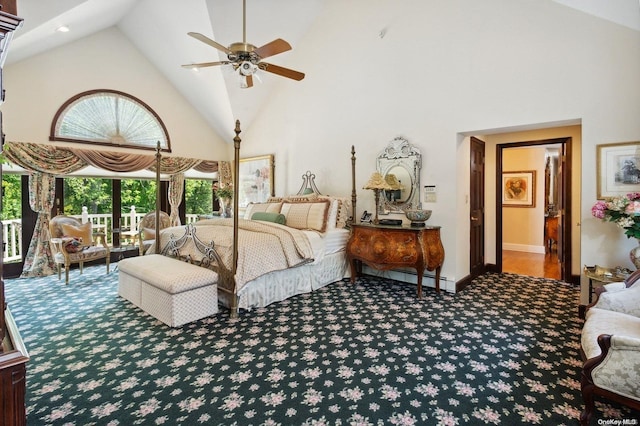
(531, 264)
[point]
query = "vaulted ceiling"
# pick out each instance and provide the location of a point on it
(158, 28)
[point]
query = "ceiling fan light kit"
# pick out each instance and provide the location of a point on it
(246, 58)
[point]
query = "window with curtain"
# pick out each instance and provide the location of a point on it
(109, 117)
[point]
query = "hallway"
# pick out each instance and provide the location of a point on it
(531, 264)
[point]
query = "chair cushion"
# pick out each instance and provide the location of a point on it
(82, 231)
(73, 244)
(148, 234)
(89, 253)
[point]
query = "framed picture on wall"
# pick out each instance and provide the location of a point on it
(519, 189)
(617, 169)
(255, 180)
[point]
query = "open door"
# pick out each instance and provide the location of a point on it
(476, 202)
(564, 243)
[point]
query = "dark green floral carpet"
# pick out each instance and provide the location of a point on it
(503, 351)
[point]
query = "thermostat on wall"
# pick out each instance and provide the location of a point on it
(429, 193)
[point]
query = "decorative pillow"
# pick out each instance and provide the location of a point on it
(332, 216)
(342, 212)
(148, 234)
(270, 217)
(306, 215)
(261, 207)
(305, 198)
(73, 244)
(345, 212)
(83, 232)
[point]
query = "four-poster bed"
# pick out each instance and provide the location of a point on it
(258, 259)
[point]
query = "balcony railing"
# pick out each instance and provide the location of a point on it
(12, 230)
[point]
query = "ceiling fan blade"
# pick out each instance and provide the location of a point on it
(205, 64)
(276, 46)
(285, 72)
(210, 42)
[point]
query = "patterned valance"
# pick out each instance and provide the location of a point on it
(62, 161)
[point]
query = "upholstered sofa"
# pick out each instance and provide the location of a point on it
(610, 346)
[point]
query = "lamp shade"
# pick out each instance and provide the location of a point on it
(393, 181)
(376, 181)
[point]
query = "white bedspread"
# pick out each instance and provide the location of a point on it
(263, 247)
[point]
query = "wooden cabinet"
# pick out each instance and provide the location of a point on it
(13, 354)
(387, 247)
(550, 233)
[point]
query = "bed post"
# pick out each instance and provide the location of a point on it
(158, 158)
(353, 184)
(236, 170)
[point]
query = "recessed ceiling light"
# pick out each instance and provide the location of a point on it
(62, 29)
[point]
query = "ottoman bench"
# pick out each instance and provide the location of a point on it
(170, 290)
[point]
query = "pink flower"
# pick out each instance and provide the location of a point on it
(633, 196)
(633, 207)
(598, 209)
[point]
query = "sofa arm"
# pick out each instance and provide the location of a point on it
(617, 368)
(613, 287)
(625, 300)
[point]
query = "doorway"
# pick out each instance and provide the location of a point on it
(552, 259)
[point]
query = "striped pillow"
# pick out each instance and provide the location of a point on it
(306, 215)
(261, 207)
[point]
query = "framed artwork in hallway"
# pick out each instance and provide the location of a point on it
(519, 188)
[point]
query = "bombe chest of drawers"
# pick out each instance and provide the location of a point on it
(387, 247)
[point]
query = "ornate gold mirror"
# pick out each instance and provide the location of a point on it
(400, 164)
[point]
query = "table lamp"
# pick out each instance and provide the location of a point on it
(377, 183)
(396, 188)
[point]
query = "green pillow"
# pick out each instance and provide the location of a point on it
(269, 217)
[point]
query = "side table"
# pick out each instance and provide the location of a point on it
(386, 247)
(604, 275)
(121, 252)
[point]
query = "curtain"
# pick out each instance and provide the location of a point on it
(62, 161)
(39, 260)
(48, 161)
(176, 188)
(225, 176)
(42, 158)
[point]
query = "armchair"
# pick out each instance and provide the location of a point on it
(610, 346)
(74, 242)
(147, 229)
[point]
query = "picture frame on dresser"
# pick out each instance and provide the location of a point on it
(519, 188)
(617, 169)
(255, 180)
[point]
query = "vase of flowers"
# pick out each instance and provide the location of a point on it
(225, 195)
(625, 212)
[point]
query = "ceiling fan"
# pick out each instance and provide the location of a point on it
(247, 58)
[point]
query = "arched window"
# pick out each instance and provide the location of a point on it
(109, 117)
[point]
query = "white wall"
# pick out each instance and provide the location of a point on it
(38, 86)
(523, 227)
(444, 69)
